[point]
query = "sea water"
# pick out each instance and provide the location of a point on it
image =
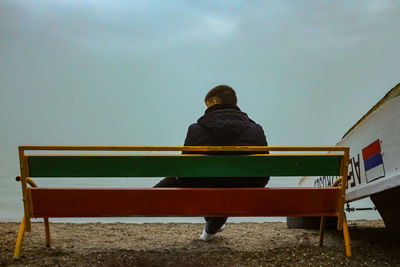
(11, 209)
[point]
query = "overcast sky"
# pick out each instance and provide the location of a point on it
(136, 72)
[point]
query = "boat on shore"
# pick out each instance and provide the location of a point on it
(374, 169)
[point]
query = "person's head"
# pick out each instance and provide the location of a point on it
(221, 94)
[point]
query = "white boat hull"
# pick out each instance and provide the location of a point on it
(374, 169)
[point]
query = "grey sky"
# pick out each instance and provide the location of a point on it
(135, 73)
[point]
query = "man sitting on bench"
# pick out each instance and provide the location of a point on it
(223, 124)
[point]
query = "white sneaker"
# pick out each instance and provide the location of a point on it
(206, 236)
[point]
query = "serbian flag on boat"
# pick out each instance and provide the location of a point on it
(373, 162)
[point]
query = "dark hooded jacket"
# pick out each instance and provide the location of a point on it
(226, 125)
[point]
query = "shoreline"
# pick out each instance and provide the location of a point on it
(142, 220)
(178, 244)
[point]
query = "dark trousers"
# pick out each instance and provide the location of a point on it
(213, 224)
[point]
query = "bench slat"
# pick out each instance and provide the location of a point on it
(183, 166)
(95, 202)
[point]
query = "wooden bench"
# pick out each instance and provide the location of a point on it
(228, 202)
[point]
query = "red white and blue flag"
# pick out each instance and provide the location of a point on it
(373, 162)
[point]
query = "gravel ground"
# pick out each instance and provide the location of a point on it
(178, 244)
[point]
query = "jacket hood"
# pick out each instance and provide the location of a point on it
(224, 121)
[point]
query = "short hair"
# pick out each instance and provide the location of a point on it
(224, 93)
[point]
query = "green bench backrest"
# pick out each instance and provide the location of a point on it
(183, 165)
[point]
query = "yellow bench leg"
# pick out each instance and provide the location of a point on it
(346, 236)
(47, 230)
(20, 239)
(322, 231)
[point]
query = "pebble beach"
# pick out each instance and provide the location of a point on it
(178, 244)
